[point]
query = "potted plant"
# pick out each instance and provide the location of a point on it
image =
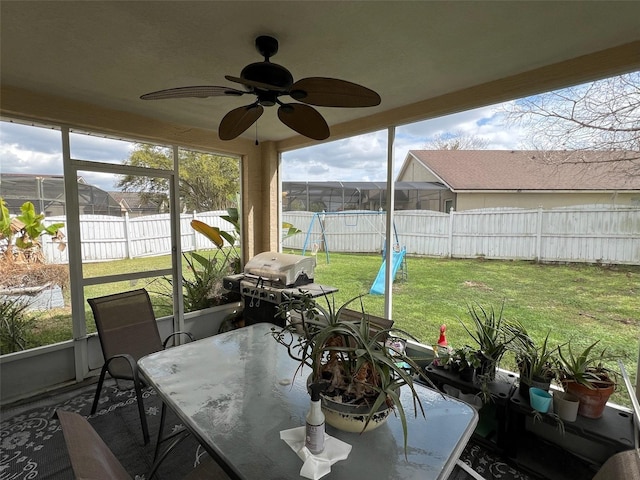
(361, 374)
(585, 376)
(463, 360)
(492, 334)
(536, 363)
(203, 284)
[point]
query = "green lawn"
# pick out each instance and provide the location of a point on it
(581, 303)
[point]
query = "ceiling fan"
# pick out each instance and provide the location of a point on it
(270, 81)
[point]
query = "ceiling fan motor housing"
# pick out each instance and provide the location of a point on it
(268, 73)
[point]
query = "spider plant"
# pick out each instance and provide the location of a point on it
(536, 362)
(349, 356)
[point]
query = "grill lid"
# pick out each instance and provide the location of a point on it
(283, 269)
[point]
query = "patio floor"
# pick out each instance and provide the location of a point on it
(33, 446)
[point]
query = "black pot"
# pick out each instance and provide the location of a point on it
(537, 382)
(487, 368)
(466, 374)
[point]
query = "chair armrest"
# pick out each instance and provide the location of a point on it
(175, 334)
(133, 365)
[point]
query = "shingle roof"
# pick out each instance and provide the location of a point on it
(527, 170)
(133, 200)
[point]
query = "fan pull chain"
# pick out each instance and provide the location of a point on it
(256, 133)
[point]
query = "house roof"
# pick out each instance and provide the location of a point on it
(133, 200)
(525, 170)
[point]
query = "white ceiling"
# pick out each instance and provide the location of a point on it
(108, 53)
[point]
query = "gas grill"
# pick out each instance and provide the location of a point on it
(271, 278)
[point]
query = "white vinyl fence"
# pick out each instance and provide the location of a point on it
(591, 234)
(116, 238)
(579, 234)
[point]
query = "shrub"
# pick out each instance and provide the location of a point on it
(15, 325)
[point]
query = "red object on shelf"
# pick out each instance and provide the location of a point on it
(442, 340)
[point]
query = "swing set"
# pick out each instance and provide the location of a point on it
(331, 223)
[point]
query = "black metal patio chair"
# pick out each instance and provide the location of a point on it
(128, 331)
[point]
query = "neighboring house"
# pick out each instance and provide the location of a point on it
(132, 203)
(525, 179)
(46, 192)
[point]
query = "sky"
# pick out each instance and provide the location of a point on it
(364, 158)
(36, 150)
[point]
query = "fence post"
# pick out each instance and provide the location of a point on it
(127, 237)
(539, 235)
(44, 247)
(451, 213)
(195, 233)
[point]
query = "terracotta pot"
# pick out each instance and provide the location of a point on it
(592, 402)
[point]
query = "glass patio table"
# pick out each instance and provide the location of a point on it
(235, 392)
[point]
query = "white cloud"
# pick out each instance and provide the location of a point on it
(38, 150)
(364, 158)
(27, 149)
(16, 159)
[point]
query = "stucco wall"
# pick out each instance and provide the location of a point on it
(415, 172)
(470, 201)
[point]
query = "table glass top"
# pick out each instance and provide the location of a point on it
(237, 391)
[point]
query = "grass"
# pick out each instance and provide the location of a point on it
(578, 303)
(581, 303)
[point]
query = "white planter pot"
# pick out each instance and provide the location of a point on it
(207, 322)
(565, 405)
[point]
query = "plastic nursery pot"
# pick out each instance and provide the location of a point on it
(565, 405)
(539, 399)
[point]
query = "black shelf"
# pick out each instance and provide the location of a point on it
(491, 431)
(508, 425)
(593, 439)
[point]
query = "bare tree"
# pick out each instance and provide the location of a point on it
(456, 141)
(601, 116)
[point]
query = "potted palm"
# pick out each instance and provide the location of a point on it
(361, 374)
(584, 375)
(208, 306)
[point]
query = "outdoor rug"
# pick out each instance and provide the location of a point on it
(32, 444)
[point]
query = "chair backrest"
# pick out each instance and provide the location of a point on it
(90, 457)
(126, 324)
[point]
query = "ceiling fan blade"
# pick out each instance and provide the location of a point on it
(203, 91)
(331, 92)
(304, 119)
(254, 84)
(238, 120)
